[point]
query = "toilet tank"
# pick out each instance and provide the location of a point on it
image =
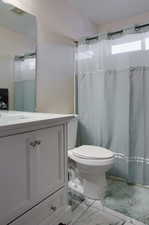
(72, 132)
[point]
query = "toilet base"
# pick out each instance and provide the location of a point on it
(93, 181)
(93, 189)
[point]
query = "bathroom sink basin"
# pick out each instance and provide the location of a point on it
(8, 118)
(12, 117)
(16, 117)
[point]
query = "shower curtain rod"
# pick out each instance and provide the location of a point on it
(25, 56)
(137, 27)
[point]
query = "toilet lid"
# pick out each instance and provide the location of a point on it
(92, 152)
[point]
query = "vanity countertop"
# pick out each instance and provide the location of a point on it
(14, 120)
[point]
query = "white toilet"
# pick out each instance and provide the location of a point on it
(92, 163)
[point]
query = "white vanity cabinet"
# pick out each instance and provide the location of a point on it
(32, 168)
(46, 161)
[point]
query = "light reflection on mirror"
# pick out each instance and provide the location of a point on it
(17, 59)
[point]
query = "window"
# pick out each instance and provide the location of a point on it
(127, 47)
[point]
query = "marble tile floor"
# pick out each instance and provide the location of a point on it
(93, 213)
(130, 200)
(122, 202)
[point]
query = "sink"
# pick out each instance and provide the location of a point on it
(16, 117)
(11, 117)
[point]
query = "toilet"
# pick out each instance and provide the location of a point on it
(92, 163)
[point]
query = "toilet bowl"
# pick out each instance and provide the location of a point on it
(92, 163)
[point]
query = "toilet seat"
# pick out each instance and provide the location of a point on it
(91, 155)
(92, 152)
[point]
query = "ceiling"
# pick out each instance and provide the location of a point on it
(107, 11)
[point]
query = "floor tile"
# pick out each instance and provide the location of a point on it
(94, 216)
(98, 215)
(130, 200)
(79, 211)
(123, 202)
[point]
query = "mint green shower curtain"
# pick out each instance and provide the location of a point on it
(113, 101)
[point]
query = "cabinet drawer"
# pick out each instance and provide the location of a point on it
(41, 212)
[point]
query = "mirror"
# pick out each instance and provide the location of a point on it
(17, 59)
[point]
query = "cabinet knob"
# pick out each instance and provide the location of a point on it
(38, 142)
(33, 144)
(53, 208)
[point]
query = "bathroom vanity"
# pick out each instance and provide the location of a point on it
(33, 168)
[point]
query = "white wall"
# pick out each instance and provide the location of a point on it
(55, 72)
(58, 24)
(117, 25)
(13, 43)
(55, 87)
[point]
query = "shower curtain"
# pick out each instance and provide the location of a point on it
(113, 100)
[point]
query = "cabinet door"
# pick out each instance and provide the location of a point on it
(14, 176)
(47, 162)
